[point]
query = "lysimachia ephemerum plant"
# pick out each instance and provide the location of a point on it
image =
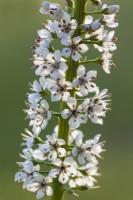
(64, 161)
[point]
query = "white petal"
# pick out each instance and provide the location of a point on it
(68, 161)
(88, 19)
(49, 191)
(74, 24)
(73, 122)
(40, 194)
(78, 140)
(75, 151)
(54, 173)
(81, 71)
(45, 105)
(52, 155)
(66, 96)
(76, 55)
(43, 33)
(83, 48)
(66, 52)
(63, 178)
(56, 96)
(57, 162)
(65, 113)
(72, 103)
(91, 74)
(61, 152)
(66, 41)
(76, 40)
(81, 160)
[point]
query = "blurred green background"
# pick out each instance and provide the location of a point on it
(19, 20)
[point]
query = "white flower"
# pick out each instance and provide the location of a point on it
(59, 89)
(28, 166)
(38, 88)
(95, 148)
(110, 21)
(42, 68)
(73, 135)
(66, 27)
(84, 81)
(97, 107)
(107, 63)
(43, 48)
(57, 65)
(23, 177)
(88, 176)
(38, 155)
(39, 114)
(29, 137)
(76, 181)
(74, 47)
(53, 148)
(53, 9)
(65, 170)
(75, 114)
(81, 150)
(110, 9)
(108, 42)
(50, 26)
(40, 185)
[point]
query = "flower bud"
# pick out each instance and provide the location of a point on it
(111, 9)
(97, 2)
(95, 26)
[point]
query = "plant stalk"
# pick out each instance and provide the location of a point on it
(64, 130)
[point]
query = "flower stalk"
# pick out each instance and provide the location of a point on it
(71, 163)
(64, 129)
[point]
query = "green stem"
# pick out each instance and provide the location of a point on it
(89, 61)
(94, 13)
(64, 130)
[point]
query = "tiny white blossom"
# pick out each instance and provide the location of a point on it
(74, 113)
(81, 150)
(29, 137)
(39, 114)
(53, 148)
(66, 27)
(65, 169)
(88, 176)
(38, 88)
(28, 166)
(59, 89)
(107, 63)
(53, 9)
(110, 21)
(74, 47)
(46, 36)
(57, 65)
(108, 42)
(97, 106)
(84, 81)
(40, 185)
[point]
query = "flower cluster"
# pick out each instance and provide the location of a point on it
(64, 78)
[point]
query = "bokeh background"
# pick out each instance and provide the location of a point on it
(19, 20)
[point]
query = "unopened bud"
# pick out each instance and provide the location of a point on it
(95, 26)
(111, 9)
(97, 2)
